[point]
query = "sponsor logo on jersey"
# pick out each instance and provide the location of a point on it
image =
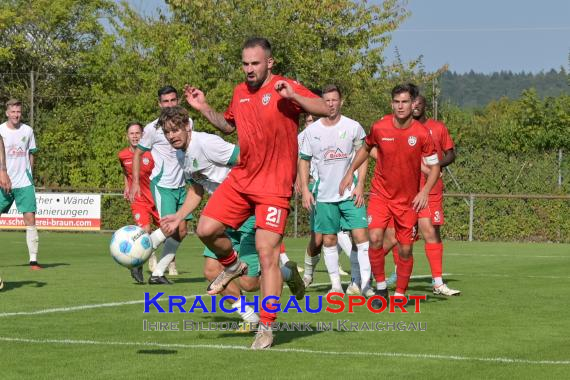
(334, 155)
(266, 98)
(412, 140)
(244, 100)
(388, 139)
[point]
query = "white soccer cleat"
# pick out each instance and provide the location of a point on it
(307, 280)
(333, 290)
(263, 339)
(353, 290)
(443, 290)
(368, 292)
(342, 271)
(300, 269)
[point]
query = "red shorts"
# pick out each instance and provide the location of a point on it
(232, 207)
(404, 219)
(144, 214)
(434, 210)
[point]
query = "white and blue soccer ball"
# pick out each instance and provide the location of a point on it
(131, 246)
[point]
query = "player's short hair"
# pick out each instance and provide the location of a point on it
(13, 102)
(258, 41)
(173, 118)
(410, 88)
(331, 88)
(133, 123)
(166, 90)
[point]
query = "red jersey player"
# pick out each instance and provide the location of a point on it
(431, 217)
(143, 209)
(265, 110)
(402, 143)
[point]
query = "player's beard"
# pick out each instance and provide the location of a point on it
(256, 84)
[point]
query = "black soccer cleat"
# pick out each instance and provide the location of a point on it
(376, 303)
(137, 275)
(159, 280)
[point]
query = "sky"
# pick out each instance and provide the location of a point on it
(480, 35)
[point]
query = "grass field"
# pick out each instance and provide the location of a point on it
(82, 317)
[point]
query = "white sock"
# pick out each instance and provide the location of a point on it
(310, 264)
(32, 239)
(331, 262)
(168, 253)
(248, 315)
(157, 238)
(398, 294)
(344, 242)
(381, 285)
(438, 281)
(283, 258)
(364, 263)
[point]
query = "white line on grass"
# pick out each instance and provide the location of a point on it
(289, 350)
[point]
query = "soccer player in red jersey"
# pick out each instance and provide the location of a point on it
(402, 144)
(431, 218)
(142, 207)
(265, 112)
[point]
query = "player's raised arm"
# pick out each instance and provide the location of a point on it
(314, 106)
(359, 159)
(197, 100)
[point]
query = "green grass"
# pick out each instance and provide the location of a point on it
(513, 306)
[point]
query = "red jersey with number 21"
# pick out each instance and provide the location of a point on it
(400, 151)
(267, 126)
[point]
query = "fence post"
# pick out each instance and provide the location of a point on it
(471, 201)
(560, 168)
(32, 90)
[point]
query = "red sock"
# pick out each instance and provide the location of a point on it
(404, 271)
(395, 254)
(282, 248)
(267, 318)
(228, 260)
(377, 260)
(434, 254)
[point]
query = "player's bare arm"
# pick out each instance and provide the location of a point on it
(197, 100)
(303, 169)
(448, 158)
(169, 224)
(361, 156)
(358, 192)
(5, 182)
(314, 106)
(135, 190)
(421, 199)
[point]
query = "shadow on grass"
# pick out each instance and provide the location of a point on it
(157, 352)
(43, 265)
(10, 285)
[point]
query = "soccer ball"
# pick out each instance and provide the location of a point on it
(130, 246)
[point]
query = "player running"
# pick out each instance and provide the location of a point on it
(265, 110)
(402, 144)
(167, 184)
(206, 160)
(143, 208)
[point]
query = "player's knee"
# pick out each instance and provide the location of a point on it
(249, 284)
(330, 240)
